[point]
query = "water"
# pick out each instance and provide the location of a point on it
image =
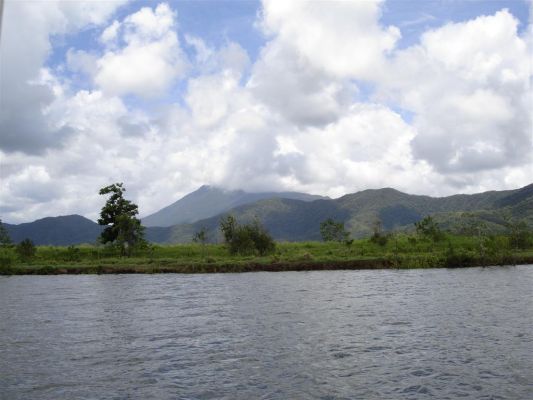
(409, 334)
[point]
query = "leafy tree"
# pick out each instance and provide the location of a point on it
(5, 240)
(26, 249)
(119, 216)
(227, 226)
(332, 231)
(429, 229)
(246, 239)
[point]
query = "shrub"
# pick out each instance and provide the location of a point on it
(246, 239)
(518, 235)
(26, 250)
(429, 229)
(332, 231)
(73, 253)
(380, 239)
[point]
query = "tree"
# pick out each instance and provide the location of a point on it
(246, 239)
(378, 237)
(201, 237)
(429, 229)
(332, 231)
(119, 216)
(26, 249)
(5, 240)
(227, 226)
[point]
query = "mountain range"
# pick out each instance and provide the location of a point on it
(296, 216)
(209, 201)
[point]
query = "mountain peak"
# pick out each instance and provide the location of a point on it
(208, 201)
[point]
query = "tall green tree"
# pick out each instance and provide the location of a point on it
(118, 215)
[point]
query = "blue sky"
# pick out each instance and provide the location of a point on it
(321, 97)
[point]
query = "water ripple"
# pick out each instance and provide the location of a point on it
(415, 334)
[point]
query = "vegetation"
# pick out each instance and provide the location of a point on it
(401, 251)
(333, 231)
(378, 237)
(246, 239)
(5, 240)
(26, 250)
(123, 229)
(251, 247)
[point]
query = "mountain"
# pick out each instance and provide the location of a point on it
(69, 229)
(295, 220)
(58, 231)
(209, 201)
(299, 220)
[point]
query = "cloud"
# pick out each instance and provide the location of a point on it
(468, 85)
(323, 108)
(24, 97)
(343, 39)
(151, 59)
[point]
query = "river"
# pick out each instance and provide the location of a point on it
(384, 334)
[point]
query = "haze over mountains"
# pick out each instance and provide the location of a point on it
(295, 216)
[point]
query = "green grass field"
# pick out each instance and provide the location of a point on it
(401, 251)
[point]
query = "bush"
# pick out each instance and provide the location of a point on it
(380, 239)
(429, 229)
(26, 250)
(246, 239)
(332, 231)
(73, 253)
(519, 235)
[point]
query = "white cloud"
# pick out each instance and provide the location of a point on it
(469, 87)
(110, 34)
(341, 38)
(26, 31)
(151, 60)
(297, 118)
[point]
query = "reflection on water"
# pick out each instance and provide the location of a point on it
(317, 335)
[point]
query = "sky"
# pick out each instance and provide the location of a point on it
(429, 97)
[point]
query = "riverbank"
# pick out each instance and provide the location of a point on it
(411, 262)
(401, 253)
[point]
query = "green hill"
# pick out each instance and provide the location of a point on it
(294, 220)
(297, 220)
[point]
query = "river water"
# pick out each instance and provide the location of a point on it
(411, 334)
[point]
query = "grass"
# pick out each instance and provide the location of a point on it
(401, 251)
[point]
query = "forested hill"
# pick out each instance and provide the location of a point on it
(209, 201)
(296, 220)
(59, 231)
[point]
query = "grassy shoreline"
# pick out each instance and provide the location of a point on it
(401, 253)
(199, 268)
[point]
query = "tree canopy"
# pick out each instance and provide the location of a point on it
(119, 217)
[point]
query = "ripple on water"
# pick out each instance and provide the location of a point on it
(318, 335)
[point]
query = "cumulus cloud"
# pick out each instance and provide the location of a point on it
(343, 38)
(469, 87)
(26, 31)
(301, 116)
(151, 60)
